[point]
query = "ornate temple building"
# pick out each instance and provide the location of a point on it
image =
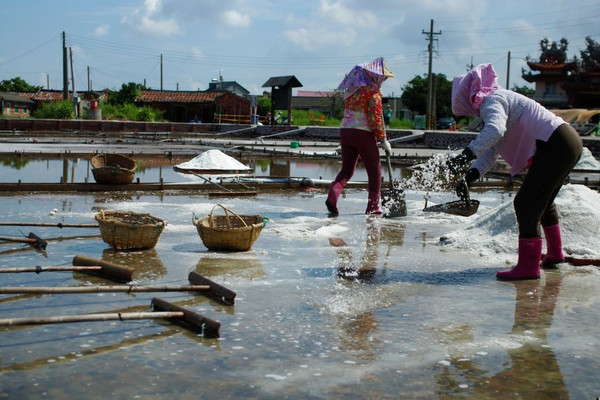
(560, 83)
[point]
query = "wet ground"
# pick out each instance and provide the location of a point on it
(342, 307)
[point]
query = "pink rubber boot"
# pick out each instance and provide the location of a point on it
(528, 266)
(335, 189)
(373, 203)
(554, 253)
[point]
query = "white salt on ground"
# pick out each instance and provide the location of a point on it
(213, 160)
(494, 234)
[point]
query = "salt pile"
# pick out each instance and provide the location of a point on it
(495, 234)
(587, 161)
(213, 160)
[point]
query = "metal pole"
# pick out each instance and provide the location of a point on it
(65, 69)
(508, 72)
(430, 120)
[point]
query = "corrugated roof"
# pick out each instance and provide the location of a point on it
(57, 95)
(15, 98)
(158, 96)
(44, 95)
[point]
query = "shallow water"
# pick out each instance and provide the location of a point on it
(77, 170)
(419, 320)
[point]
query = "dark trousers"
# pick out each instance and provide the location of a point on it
(552, 163)
(355, 143)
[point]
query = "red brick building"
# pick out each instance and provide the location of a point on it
(14, 105)
(208, 107)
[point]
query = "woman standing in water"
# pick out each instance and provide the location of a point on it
(361, 129)
(527, 136)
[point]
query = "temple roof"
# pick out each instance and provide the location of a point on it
(552, 66)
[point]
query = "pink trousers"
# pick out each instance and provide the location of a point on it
(358, 143)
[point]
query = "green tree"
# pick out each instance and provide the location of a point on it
(263, 105)
(590, 57)
(334, 104)
(17, 85)
(524, 90)
(128, 94)
(415, 95)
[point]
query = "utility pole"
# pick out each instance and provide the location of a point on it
(430, 91)
(65, 69)
(161, 73)
(75, 97)
(508, 72)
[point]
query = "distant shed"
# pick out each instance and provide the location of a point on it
(281, 93)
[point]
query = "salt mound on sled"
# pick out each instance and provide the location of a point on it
(212, 160)
(495, 234)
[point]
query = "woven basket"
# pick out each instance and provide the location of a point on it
(126, 230)
(229, 232)
(115, 169)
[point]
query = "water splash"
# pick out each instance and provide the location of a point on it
(433, 175)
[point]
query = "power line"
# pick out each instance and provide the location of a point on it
(30, 51)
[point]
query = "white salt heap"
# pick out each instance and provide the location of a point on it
(587, 161)
(213, 160)
(494, 234)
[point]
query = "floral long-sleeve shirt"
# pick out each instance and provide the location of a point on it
(363, 110)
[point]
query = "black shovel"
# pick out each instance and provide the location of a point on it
(393, 201)
(465, 207)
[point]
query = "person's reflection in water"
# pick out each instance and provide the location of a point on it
(533, 372)
(368, 263)
(358, 326)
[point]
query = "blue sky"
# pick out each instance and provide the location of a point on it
(249, 41)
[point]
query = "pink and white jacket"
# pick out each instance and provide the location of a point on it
(512, 122)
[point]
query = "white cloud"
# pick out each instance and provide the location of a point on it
(236, 19)
(149, 20)
(102, 30)
(197, 53)
(316, 37)
(337, 12)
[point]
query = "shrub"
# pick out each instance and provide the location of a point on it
(148, 114)
(56, 110)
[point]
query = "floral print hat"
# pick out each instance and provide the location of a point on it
(372, 73)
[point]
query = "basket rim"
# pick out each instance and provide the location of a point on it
(101, 159)
(205, 221)
(100, 217)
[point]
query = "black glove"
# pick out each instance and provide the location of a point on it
(457, 164)
(462, 189)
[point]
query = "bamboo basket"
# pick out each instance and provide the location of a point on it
(115, 169)
(126, 230)
(229, 232)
